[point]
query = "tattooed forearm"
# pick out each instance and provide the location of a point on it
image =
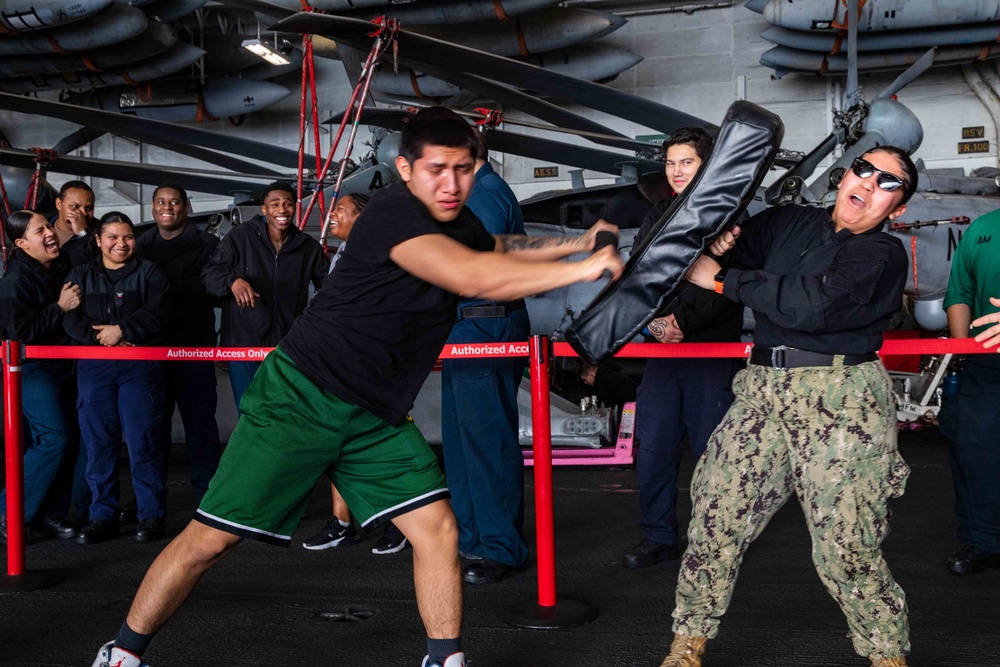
(513, 242)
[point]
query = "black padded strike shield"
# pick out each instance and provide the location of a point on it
(748, 140)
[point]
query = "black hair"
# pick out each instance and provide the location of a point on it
(73, 185)
(695, 137)
(436, 126)
(15, 225)
(910, 175)
(111, 218)
(172, 186)
(360, 201)
(279, 186)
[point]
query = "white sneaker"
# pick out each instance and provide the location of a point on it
(112, 656)
(453, 660)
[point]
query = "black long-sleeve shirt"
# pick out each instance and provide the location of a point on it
(813, 289)
(182, 259)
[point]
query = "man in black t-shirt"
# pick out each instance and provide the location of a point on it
(390, 305)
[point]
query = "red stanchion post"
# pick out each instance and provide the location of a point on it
(17, 579)
(541, 444)
(15, 462)
(548, 613)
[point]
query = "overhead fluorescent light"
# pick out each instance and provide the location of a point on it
(264, 51)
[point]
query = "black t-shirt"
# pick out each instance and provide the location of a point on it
(373, 331)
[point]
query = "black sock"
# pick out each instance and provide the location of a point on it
(438, 650)
(130, 640)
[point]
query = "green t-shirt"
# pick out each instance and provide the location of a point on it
(975, 269)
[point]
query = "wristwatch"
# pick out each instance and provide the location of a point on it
(720, 280)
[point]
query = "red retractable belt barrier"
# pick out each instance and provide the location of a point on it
(547, 612)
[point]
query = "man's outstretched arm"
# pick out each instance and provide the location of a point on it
(549, 248)
(495, 275)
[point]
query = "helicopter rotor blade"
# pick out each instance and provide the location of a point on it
(75, 140)
(127, 171)
(575, 124)
(853, 88)
(509, 98)
(529, 146)
(596, 96)
(152, 131)
(912, 72)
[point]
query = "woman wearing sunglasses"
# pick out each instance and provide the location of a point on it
(813, 413)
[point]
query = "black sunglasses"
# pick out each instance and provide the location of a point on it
(886, 180)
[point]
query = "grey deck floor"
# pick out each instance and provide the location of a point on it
(260, 605)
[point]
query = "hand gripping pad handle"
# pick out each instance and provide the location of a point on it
(748, 140)
(602, 240)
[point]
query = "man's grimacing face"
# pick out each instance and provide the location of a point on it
(441, 178)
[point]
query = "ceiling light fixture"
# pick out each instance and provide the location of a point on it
(264, 51)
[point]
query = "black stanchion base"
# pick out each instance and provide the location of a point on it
(30, 581)
(565, 614)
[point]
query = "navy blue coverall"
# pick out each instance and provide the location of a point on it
(482, 457)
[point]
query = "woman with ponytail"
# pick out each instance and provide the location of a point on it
(34, 296)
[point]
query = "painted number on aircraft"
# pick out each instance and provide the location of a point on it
(974, 132)
(546, 172)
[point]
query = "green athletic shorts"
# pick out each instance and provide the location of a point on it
(292, 432)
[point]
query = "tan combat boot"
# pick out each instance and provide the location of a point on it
(888, 662)
(685, 652)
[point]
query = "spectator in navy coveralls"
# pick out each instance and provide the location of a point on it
(34, 295)
(124, 302)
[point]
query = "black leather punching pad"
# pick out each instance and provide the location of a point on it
(748, 140)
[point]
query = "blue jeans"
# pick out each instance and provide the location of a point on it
(50, 430)
(482, 458)
(119, 397)
(191, 387)
(240, 376)
(971, 421)
(677, 397)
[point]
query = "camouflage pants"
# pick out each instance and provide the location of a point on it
(829, 435)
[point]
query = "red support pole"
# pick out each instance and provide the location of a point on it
(547, 613)
(541, 444)
(17, 579)
(15, 458)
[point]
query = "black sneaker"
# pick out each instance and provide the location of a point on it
(970, 560)
(392, 541)
(150, 530)
(648, 552)
(129, 512)
(334, 534)
(98, 531)
(55, 526)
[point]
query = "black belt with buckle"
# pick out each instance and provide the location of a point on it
(782, 357)
(501, 309)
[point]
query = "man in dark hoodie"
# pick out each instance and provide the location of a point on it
(262, 270)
